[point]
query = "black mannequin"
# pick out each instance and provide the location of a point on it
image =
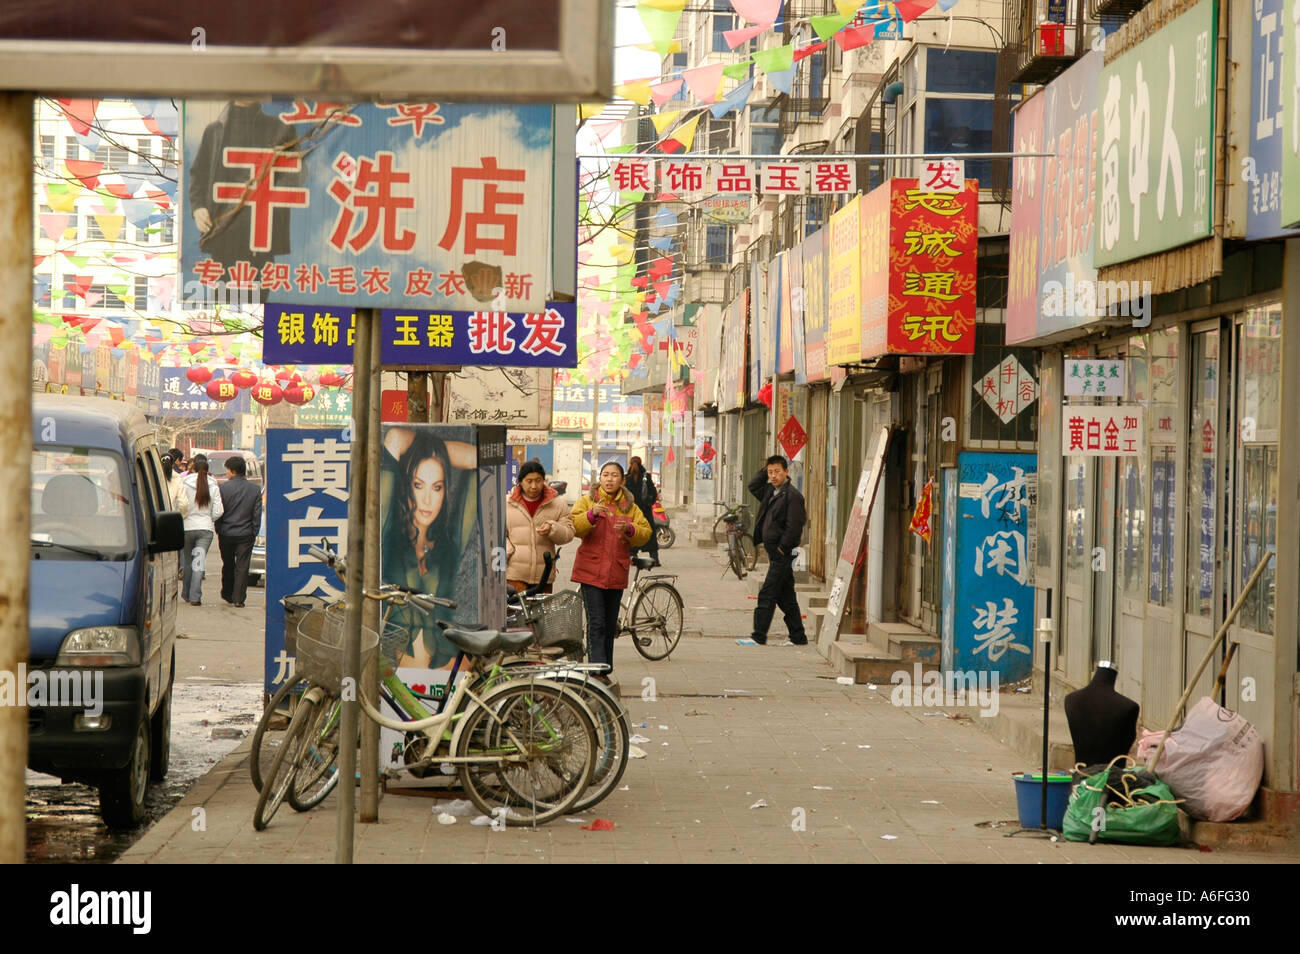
(1103, 724)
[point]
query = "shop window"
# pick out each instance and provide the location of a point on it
(960, 71)
(1202, 473)
(1076, 515)
(954, 126)
(1258, 382)
(1131, 510)
(1049, 446)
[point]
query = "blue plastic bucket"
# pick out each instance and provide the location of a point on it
(1029, 799)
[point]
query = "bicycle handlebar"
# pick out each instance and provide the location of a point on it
(389, 591)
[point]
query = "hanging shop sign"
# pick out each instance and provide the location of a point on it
(1008, 389)
(814, 298)
(918, 269)
(1089, 377)
(844, 285)
(1264, 123)
(942, 175)
(297, 334)
(181, 397)
(1096, 431)
(1155, 168)
(726, 209)
(688, 178)
(388, 204)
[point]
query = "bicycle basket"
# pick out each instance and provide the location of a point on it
(557, 620)
(393, 644)
(320, 646)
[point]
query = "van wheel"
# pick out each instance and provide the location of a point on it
(160, 732)
(121, 794)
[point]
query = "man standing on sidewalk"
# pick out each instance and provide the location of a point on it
(237, 529)
(778, 529)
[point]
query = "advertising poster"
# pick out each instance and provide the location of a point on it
(814, 305)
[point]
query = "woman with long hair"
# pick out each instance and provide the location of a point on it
(203, 498)
(421, 539)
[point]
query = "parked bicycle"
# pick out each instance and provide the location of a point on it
(651, 611)
(741, 553)
(743, 518)
(524, 747)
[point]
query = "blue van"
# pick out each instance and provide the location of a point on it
(105, 545)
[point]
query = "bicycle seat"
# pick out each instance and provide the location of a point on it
(731, 518)
(481, 642)
(643, 561)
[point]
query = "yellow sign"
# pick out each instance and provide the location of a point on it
(844, 288)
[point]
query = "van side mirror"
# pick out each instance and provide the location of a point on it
(168, 532)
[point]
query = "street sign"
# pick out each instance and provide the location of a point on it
(1088, 377)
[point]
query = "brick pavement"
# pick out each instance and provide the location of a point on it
(728, 725)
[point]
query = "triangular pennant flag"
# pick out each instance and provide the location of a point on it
(665, 218)
(828, 26)
(674, 47)
(662, 92)
(736, 37)
(661, 289)
(661, 24)
(80, 113)
(704, 81)
(118, 190)
(663, 120)
(663, 243)
(758, 11)
(638, 92)
(782, 81)
(738, 71)
(87, 170)
(54, 224)
(808, 51)
(110, 225)
(734, 100)
(848, 8)
(107, 203)
(683, 135)
(138, 211)
(946, 5)
(60, 197)
(851, 38)
(909, 10)
(660, 268)
(775, 60)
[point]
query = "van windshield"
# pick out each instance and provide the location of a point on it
(81, 503)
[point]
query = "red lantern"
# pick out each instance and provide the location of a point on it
(244, 379)
(222, 390)
(199, 375)
(284, 377)
(268, 394)
(299, 393)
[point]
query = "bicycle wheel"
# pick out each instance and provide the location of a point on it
(735, 557)
(613, 735)
(720, 530)
(316, 772)
(657, 620)
(748, 552)
(542, 744)
(278, 780)
(263, 754)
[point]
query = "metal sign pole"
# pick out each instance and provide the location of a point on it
(369, 807)
(16, 464)
(366, 318)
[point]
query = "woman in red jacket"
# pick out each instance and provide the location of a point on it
(609, 524)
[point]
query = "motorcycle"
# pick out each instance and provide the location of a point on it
(663, 532)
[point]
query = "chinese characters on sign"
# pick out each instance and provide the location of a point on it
(321, 335)
(1094, 378)
(1008, 389)
(425, 205)
(1155, 169)
(685, 178)
(942, 175)
(1113, 431)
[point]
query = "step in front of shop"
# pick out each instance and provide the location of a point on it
(865, 663)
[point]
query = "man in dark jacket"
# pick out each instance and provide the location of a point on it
(778, 528)
(237, 529)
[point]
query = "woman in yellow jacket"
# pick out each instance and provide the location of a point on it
(609, 524)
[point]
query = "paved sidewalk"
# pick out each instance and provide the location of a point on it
(728, 726)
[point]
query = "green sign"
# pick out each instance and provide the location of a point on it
(1155, 161)
(329, 408)
(1291, 112)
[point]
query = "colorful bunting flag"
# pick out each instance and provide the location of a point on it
(705, 81)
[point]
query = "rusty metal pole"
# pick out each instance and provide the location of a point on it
(16, 464)
(361, 386)
(417, 397)
(369, 807)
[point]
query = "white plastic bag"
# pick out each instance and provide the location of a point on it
(1214, 761)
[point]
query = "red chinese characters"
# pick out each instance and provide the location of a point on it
(684, 176)
(831, 178)
(782, 178)
(489, 332)
(415, 115)
(734, 177)
(543, 333)
(259, 192)
(490, 218)
(634, 175)
(373, 200)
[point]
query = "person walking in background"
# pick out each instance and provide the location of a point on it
(778, 529)
(644, 493)
(237, 527)
(609, 524)
(175, 481)
(537, 519)
(206, 508)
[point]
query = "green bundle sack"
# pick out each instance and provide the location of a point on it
(1145, 815)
